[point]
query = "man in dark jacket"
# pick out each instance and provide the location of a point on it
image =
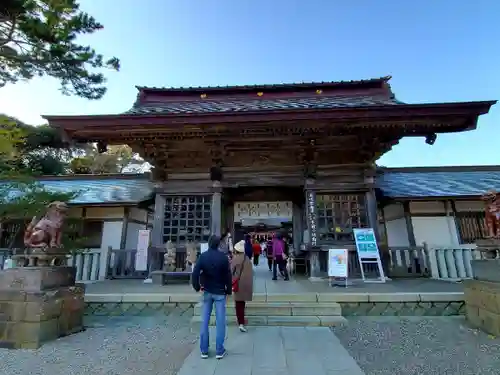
(212, 267)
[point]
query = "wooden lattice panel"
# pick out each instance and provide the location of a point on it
(338, 214)
(187, 218)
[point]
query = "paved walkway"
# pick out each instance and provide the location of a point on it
(276, 351)
(263, 285)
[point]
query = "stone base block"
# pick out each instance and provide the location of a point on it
(169, 277)
(482, 300)
(37, 278)
(30, 317)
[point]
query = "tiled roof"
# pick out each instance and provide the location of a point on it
(256, 87)
(103, 191)
(451, 183)
(246, 105)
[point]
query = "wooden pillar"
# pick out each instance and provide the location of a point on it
(409, 224)
(371, 208)
(159, 217)
(382, 211)
(126, 218)
(297, 227)
(372, 212)
(216, 210)
(454, 212)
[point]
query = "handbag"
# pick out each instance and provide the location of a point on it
(236, 281)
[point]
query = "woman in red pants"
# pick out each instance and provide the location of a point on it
(242, 271)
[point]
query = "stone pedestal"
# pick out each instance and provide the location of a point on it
(314, 265)
(39, 304)
(482, 296)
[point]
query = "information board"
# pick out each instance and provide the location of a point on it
(366, 243)
(141, 256)
(337, 263)
(367, 249)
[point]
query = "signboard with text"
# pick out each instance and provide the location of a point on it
(141, 256)
(366, 243)
(337, 263)
(368, 254)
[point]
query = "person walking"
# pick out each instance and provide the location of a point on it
(242, 272)
(269, 255)
(212, 272)
(248, 246)
(279, 258)
(226, 243)
(256, 252)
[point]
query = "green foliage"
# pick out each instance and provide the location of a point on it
(31, 150)
(22, 198)
(39, 38)
(114, 160)
(72, 241)
(11, 138)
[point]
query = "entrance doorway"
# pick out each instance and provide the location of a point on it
(261, 220)
(265, 211)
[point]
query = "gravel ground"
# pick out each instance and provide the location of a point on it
(420, 346)
(111, 346)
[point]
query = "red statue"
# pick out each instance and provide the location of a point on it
(492, 213)
(47, 232)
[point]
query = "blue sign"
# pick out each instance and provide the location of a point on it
(366, 243)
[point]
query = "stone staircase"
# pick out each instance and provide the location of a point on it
(286, 313)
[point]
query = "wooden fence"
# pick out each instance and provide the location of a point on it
(451, 263)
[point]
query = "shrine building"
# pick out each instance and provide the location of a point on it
(298, 158)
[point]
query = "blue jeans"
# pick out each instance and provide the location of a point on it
(209, 300)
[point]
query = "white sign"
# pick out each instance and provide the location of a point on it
(203, 247)
(263, 210)
(366, 243)
(337, 262)
(141, 256)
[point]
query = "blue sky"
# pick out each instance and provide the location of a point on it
(436, 51)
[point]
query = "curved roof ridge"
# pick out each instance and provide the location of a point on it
(380, 80)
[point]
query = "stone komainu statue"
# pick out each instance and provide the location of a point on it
(492, 214)
(46, 233)
(169, 260)
(191, 255)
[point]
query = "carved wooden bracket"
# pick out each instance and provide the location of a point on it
(309, 156)
(218, 153)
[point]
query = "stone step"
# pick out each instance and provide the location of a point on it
(284, 309)
(281, 320)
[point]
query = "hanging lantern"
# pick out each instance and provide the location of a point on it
(319, 92)
(203, 96)
(260, 93)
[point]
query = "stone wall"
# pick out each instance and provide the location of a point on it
(483, 305)
(438, 308)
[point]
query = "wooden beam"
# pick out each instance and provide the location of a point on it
(409, 224)
(126, 219)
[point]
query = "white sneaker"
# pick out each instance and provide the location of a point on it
(242, 328)
(220, 356)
